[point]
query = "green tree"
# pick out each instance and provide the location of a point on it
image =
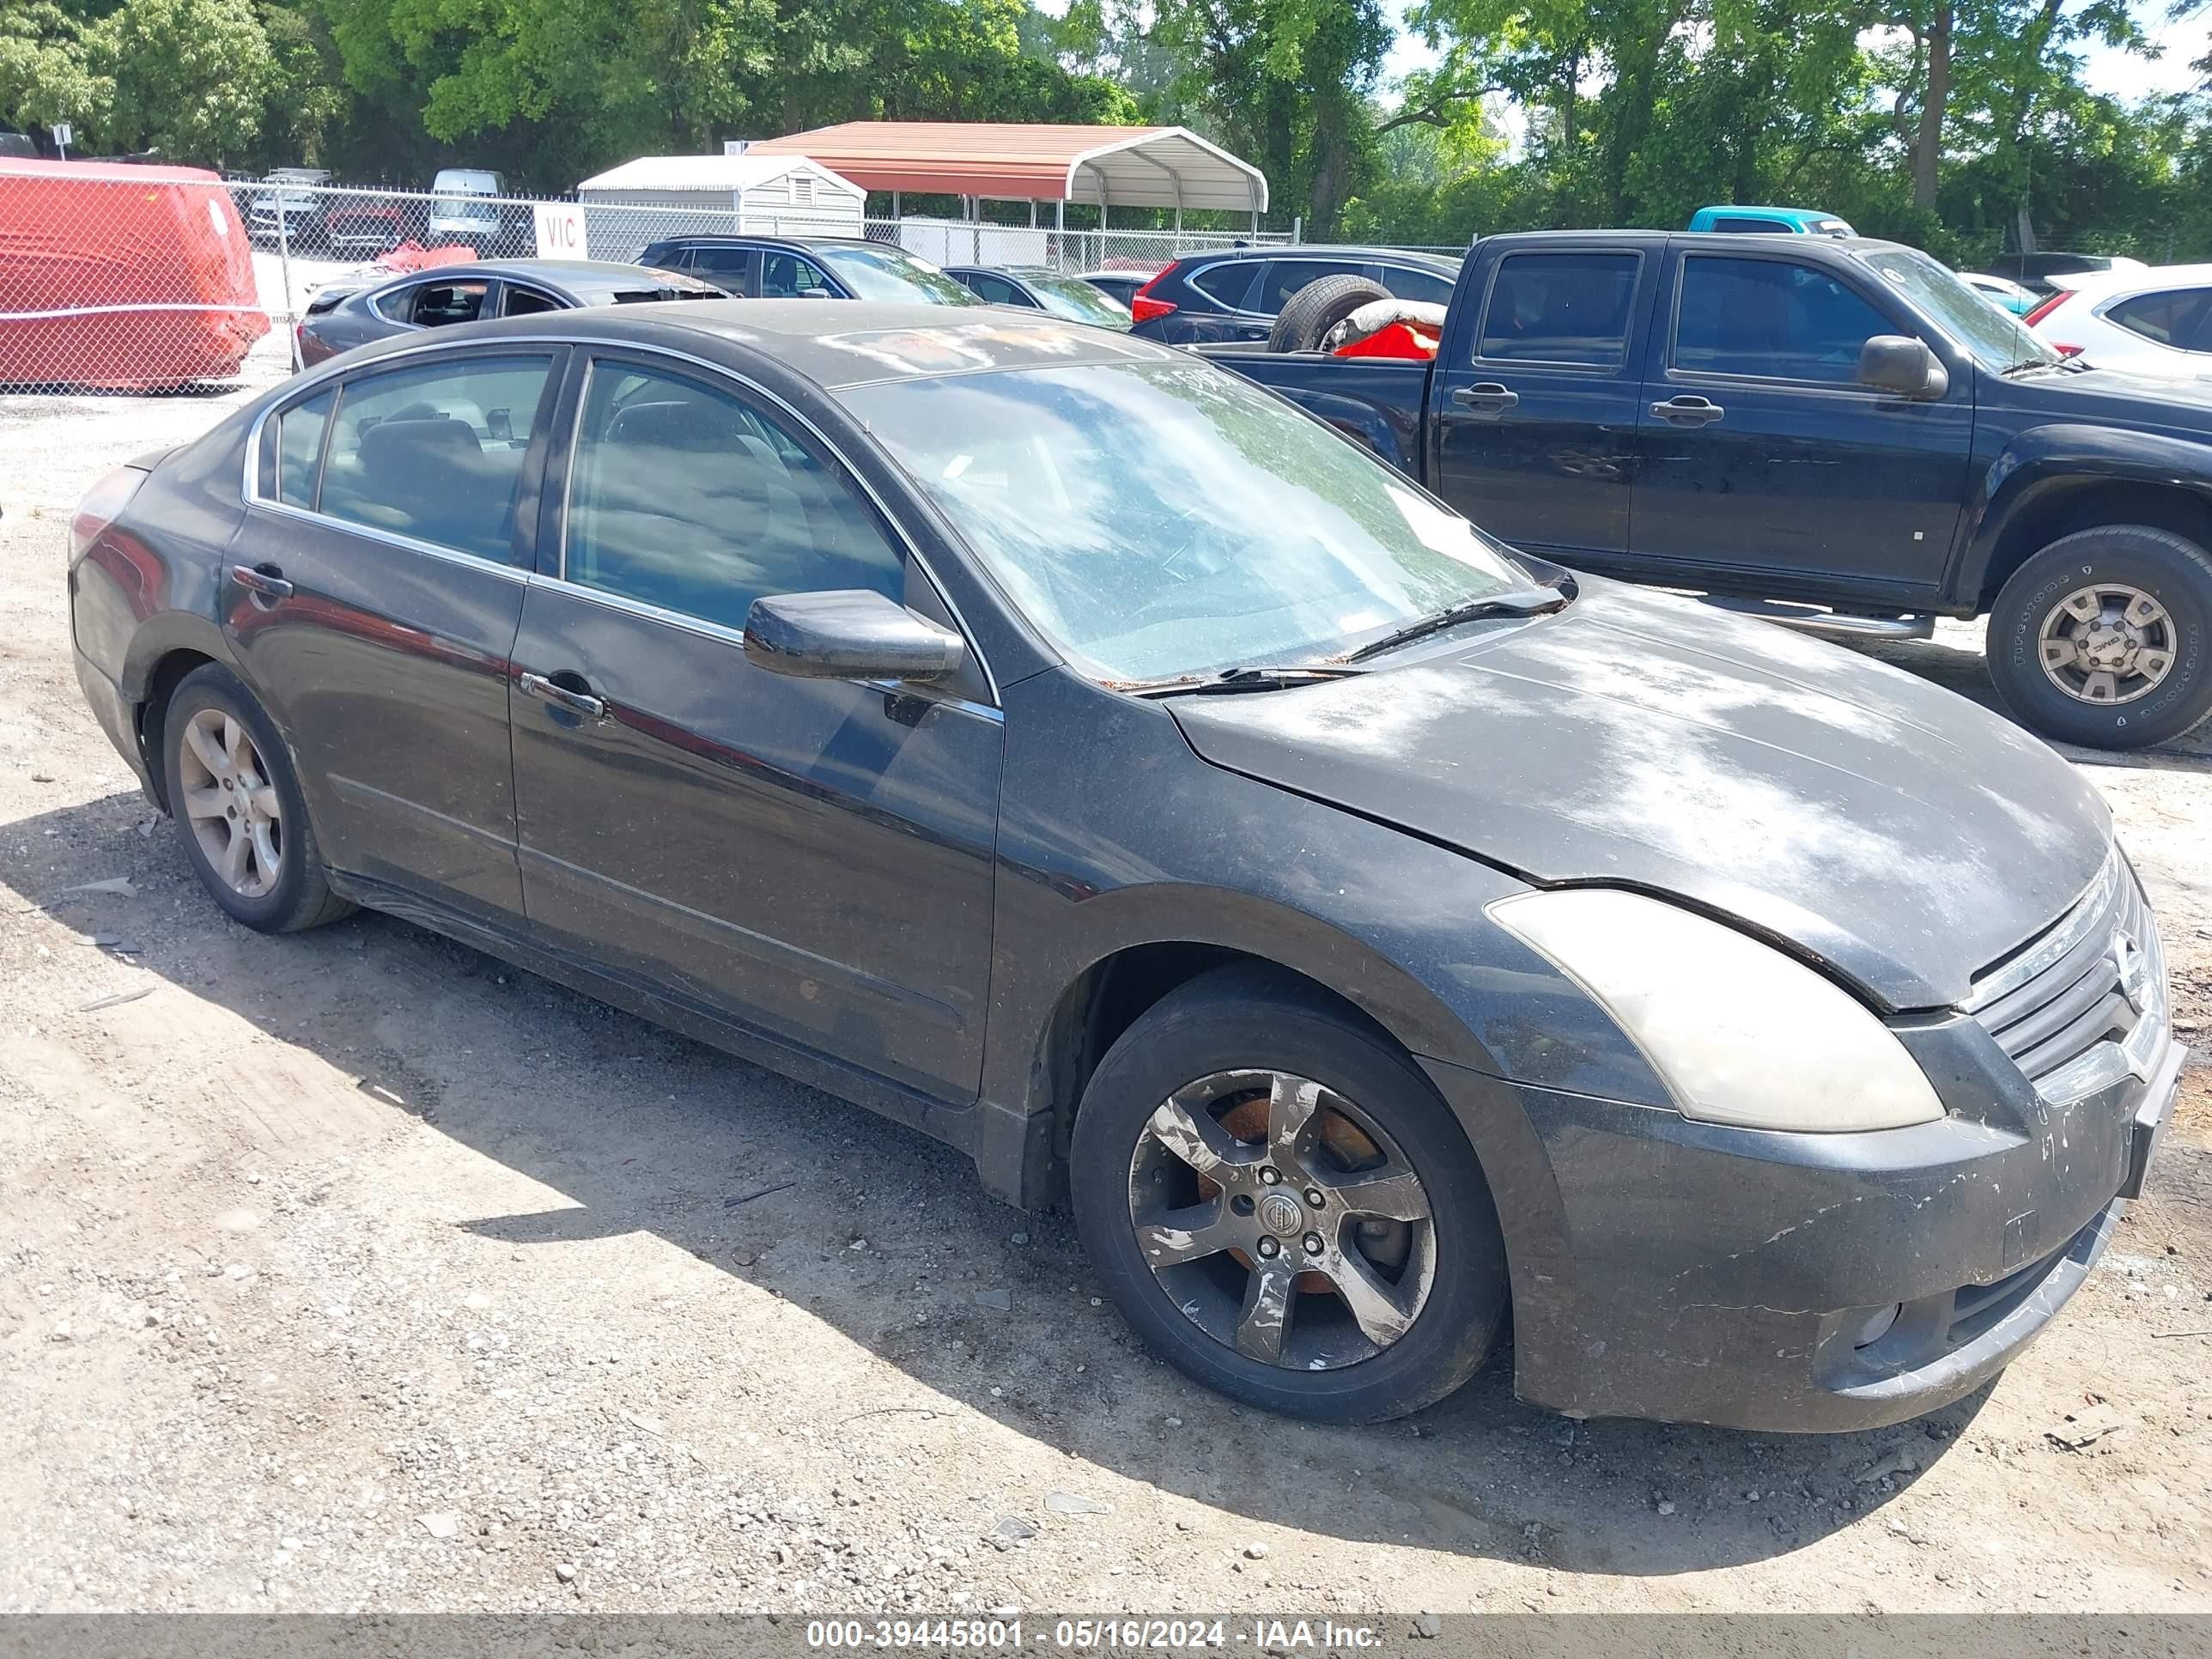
(191, 77)
(45, 70)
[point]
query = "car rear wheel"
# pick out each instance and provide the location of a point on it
(2104, 637)
(1318, 306)
(1283, 1207)
(238, 808)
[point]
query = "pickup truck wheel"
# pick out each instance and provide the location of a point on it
(1283, 1207)
(2105, 638)
(1318, 306)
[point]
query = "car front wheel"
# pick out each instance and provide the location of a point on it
(2105, 638)
(1284, 1208)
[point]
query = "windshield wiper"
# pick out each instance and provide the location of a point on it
(1247, 678)
(1517, 602)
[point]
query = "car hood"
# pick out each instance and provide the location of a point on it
(2127, 394)
(1895, 831)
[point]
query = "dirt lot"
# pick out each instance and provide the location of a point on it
(355, 1270)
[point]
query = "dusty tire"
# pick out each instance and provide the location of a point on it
(2070, 700)
(1285, 1318)
(1318, 306)
(285, 893)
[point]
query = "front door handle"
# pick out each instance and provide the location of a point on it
(561, 697)
(1487, 400)
(264, 581)
(1689, 409)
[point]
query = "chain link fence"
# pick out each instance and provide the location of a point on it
(148, 278)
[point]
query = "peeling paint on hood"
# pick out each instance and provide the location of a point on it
(1893, 830)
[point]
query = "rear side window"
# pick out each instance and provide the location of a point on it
(436, 304)
(1286, 277)
(1754, 227)
(686, 497)
(1772, 317)
(527, 301)
(300, 448)
(436, 453)
(730, 267)
(1412, 283)
(2180, 317)
(1228, 284)
(1560, 308)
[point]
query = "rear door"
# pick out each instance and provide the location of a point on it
(1763, 466)
(1535, 405)
(374, 593)
(811, 857)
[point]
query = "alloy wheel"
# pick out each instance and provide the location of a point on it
(1282, 1220)
(2107, 643)
(232, 806)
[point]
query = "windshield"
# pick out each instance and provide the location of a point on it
(879, 271)
(1162, 520)
(1993, 338)
(1076, 300)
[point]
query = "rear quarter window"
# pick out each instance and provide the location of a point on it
(1229, 285)
(2175, 317)
(1560, 308)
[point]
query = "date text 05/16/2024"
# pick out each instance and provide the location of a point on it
(1091, 1635)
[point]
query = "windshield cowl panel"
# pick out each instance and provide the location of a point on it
(1158, 521)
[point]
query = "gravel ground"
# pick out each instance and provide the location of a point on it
(358, 1271)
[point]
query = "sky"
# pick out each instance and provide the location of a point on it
(2119, 73)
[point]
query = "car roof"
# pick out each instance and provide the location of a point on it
(727, 238)
(579, 277)
(1319, 250)
(2130, 280)
(831, 342)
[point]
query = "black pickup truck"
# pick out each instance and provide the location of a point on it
(1838, 434)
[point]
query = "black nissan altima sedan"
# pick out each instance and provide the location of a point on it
(1067, 750)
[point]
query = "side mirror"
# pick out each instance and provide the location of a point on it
(850, 634)
(816, 294)
(1906, 367)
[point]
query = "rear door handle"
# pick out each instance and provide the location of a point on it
(266, 580)
(576, 702)
(1486, 398)
(1688, 411)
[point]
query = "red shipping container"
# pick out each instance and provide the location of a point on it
(114, 275)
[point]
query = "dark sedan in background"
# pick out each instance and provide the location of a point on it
(1033, 287)
(807, 268)
(1069, 749)
(340, 319)
(1235, 294)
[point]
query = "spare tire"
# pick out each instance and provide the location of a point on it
(1318, 307)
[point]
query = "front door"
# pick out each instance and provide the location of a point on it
(372, 598)
(1535, 415)
(1763, 465)
(813, 858)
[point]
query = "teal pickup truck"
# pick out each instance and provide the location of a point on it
(1773, 221)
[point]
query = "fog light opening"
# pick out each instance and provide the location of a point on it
(1877, 1325)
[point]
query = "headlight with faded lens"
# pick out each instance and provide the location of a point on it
(1740, 1033)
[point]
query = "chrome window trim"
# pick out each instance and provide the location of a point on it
(2075, 924)
(338, 369)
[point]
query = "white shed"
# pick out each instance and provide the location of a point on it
(658, 195)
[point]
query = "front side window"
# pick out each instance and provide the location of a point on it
(688, 498)
(787, 276)
(300, 448)
(1772, 318)
(2176, 318)
(435, 452)
(436, 304)
(877, 270)
(1560, 308)
(993, 291)
(1159, 520)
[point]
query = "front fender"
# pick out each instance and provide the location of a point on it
(2045, 462)
(1090, 867)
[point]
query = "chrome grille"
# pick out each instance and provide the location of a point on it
(2082, 1003)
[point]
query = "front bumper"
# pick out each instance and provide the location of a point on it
(1693, 1273)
